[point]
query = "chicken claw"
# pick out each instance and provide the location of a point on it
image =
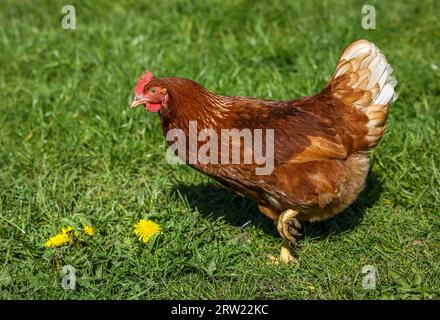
(287, 225)
(285, 254)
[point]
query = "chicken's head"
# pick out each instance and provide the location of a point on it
(151, 95)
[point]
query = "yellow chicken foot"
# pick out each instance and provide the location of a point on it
(286, 227)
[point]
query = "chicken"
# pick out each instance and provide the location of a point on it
(320, 143)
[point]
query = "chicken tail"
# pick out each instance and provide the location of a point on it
(363, 79)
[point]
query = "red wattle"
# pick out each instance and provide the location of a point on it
(153, 107)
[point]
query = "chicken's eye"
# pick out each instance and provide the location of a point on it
(153, 90)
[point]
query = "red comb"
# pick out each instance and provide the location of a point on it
(141, 83)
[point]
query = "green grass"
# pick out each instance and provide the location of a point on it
(72, 152)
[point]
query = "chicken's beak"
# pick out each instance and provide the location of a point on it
(137, 101)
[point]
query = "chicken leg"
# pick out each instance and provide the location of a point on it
(286, 226)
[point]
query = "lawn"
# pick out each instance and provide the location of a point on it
(72, 152)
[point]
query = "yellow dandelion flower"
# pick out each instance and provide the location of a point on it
(88, 230)
(67, 236)
(145, 229)
(58, 240)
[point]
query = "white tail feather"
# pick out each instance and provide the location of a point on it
(363, 68)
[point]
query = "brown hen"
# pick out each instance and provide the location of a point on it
(321, 142)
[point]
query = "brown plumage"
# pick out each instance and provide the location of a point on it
(320, 142)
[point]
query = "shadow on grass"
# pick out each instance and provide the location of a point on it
(216, 202)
